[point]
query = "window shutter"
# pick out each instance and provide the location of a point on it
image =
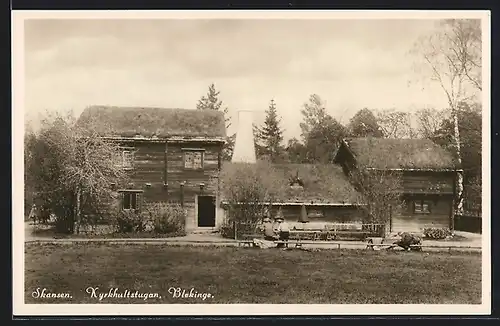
(122, 199)
(139, 201)
(133, 201)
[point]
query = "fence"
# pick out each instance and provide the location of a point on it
(468, 223)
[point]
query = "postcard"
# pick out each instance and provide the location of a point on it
(251, 163)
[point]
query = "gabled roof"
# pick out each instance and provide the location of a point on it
(386, 153)
(322, 183)
(113, 121)
(319, 184)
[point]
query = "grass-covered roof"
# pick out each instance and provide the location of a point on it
(314, 183)
(148, 122)
(385, 153)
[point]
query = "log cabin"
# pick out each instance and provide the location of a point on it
(321, 190)
(429, 174)
(170, 155)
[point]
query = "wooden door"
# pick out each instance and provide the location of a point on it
(206, 211)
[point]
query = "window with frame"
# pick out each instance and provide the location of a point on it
(131, 200)
(125, 158)
(193, 159)
(422, 207)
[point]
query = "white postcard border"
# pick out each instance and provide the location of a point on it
(22, 309)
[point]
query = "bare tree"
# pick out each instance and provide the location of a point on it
(452, 57)
(464, 36)
(395, 124)
(429, 121)
(248, 190)
(72, 170)
(380, 190)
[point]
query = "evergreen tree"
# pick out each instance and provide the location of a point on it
(270, 135)
(212, 102)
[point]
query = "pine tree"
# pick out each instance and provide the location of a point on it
(270, 135)
(211, 102)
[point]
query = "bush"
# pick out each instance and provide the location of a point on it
(436, 233)
(227, 231)
(166, 218)
(129, 221)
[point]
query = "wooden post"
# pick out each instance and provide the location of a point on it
(182, 194)
(390, 218)
(452, 215)
(165, 169)
(235, 230)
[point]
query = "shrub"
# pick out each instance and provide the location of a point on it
(129, 221)
(166, 218)
(436, 233)
(247, 188)
(227, 231)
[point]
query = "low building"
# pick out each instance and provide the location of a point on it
(428, 174)
(322, 190)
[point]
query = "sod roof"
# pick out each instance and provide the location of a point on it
(383, 153)
(148, 122)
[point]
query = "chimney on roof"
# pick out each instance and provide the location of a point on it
(244, 146)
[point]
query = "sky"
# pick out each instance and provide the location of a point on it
(350, 64)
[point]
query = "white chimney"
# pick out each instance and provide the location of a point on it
(244, 146)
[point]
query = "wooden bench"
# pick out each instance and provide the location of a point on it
(354, 233)
(250, 243)
(373, 242)
(245, 243)
(252, 236)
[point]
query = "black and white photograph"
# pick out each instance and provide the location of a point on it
(239, 162)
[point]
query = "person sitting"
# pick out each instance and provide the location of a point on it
(283, 231)
(267, 228)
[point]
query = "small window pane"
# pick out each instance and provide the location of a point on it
(133, 201)
(126, 201)
(422, 207)
(127, 159)
(193, 160)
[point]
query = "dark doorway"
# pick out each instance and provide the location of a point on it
(206, 211)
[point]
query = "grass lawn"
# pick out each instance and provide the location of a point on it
(242, 275)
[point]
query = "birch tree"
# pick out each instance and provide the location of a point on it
(451, 57)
